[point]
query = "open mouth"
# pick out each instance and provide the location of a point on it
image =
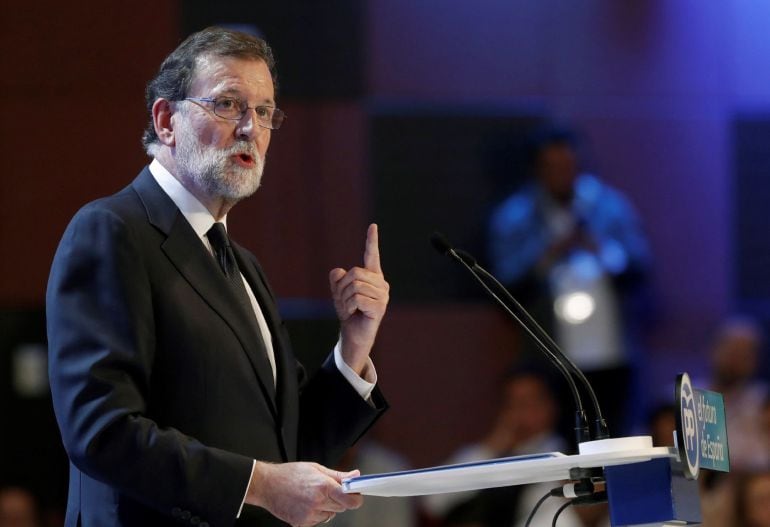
(244, 159)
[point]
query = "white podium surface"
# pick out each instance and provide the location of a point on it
(503, 472)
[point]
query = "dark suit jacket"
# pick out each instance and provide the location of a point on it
(161, 386)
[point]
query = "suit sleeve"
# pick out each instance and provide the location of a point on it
(101, 345)
(333, 416)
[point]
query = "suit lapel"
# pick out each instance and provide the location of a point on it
(185, 250)
(281, 347)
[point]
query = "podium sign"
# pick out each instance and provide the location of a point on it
(664, 492)
(701, 428)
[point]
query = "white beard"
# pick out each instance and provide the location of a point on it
(212, 169)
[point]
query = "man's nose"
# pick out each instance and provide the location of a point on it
(248, 126)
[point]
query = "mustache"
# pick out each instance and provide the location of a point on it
(243, 147)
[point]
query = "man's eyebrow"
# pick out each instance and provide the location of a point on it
(233, 92)
(230, 92)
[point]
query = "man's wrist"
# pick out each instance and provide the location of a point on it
(254, 494)
(364, 383)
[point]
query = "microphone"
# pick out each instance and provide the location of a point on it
(441, 244)
(601, 431)
(541, 339)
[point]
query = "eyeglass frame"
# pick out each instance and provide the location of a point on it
(275, 110)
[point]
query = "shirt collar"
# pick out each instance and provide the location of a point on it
(196, 214)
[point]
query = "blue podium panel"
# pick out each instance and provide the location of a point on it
(651, 494)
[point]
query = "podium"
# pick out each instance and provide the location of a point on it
(645, 485)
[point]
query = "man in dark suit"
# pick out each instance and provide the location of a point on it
(174, 385)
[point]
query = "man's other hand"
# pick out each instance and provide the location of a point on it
(301, 494)
(360, 297)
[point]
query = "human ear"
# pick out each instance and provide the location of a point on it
(161, 118)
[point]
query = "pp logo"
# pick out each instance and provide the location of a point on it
(689, 425)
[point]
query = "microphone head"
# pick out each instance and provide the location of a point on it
(440, 243)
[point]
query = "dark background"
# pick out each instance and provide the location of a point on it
(408, 114)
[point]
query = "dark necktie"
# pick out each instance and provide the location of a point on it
(223, 252)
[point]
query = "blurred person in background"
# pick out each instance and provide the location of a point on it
(572, 248)
(752, 500)
(18, 508)
(526, 423)
(764, 424)
(661, 425)
(734, 360)
(735, 356)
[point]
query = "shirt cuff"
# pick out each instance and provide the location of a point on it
(253, 466)
(364, 386)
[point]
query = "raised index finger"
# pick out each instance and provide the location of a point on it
(372, 250)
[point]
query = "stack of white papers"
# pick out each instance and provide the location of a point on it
(501, 472)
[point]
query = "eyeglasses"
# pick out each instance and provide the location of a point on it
(234, 109)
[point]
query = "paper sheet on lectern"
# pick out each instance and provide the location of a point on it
(501, 472)
(453, 478)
